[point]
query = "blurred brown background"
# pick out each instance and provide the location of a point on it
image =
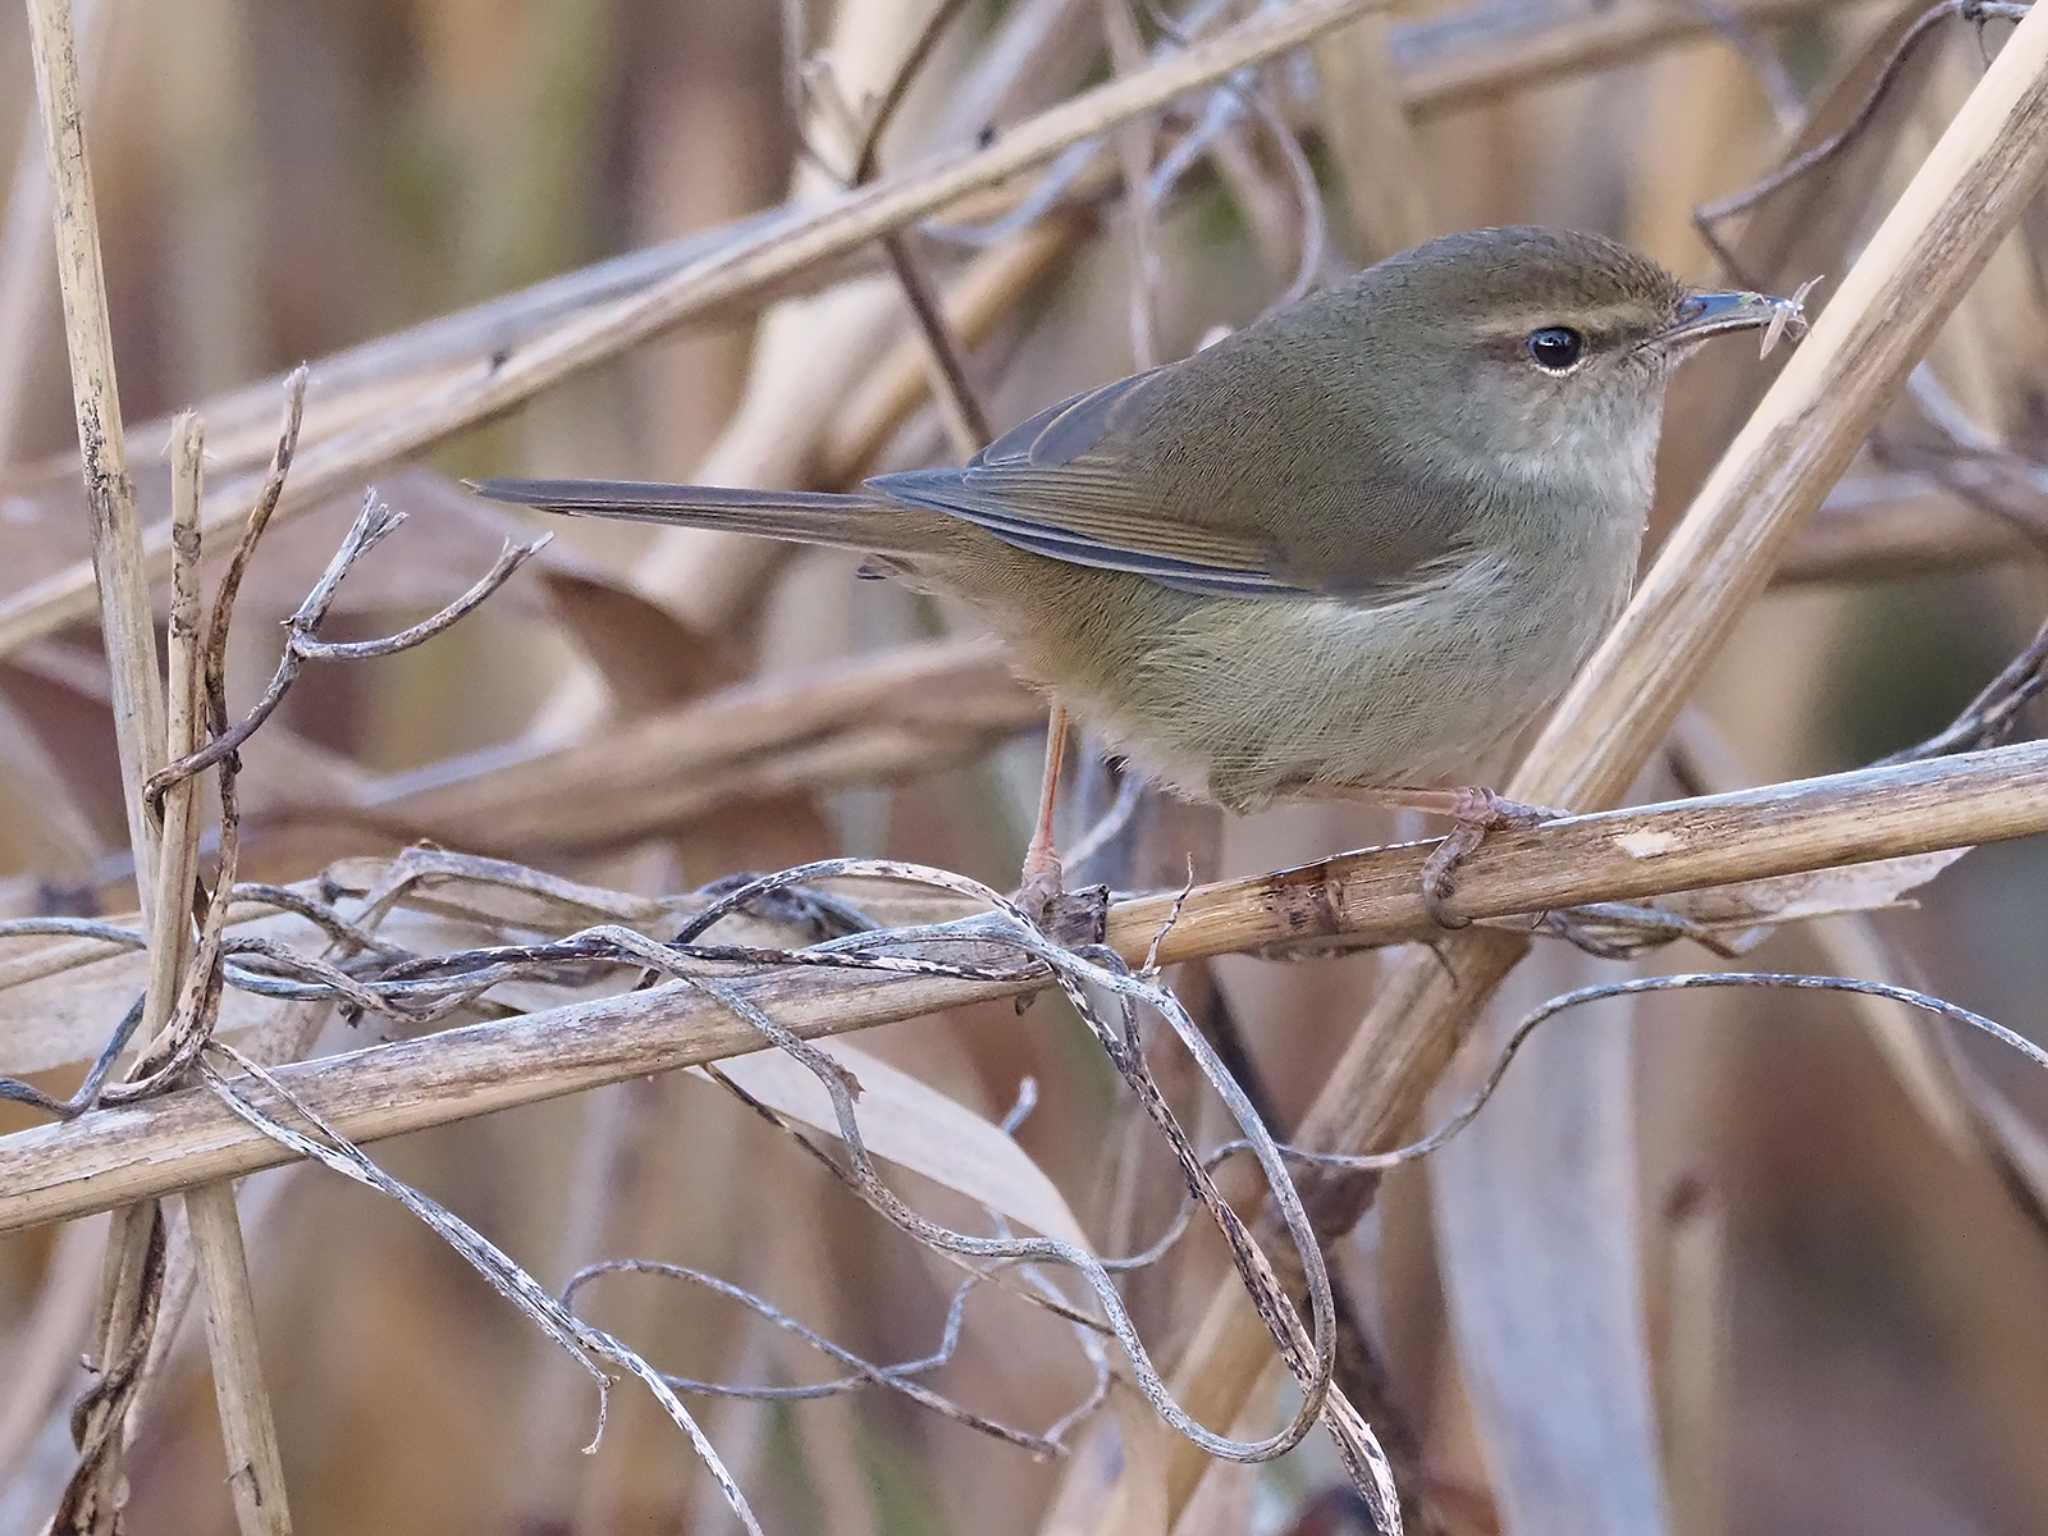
(1708, 1265)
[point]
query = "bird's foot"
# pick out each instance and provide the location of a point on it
(1040, 886)
(1474, 812)
(1072, 918)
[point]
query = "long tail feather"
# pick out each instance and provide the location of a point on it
(859, 523)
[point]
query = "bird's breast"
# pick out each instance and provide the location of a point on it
(1242, 698)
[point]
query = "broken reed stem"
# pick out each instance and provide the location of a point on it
(1964, 199)
(248, 1428)
(169, 915)
(187, 1137)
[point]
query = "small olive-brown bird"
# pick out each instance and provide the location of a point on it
(1341, 552)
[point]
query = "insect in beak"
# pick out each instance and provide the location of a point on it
(1701, 315)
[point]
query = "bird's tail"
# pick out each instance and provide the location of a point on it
(861, 523)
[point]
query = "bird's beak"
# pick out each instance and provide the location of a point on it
(1701, 315)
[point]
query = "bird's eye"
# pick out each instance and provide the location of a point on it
(1555, 348)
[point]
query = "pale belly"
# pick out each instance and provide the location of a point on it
(1242, 701)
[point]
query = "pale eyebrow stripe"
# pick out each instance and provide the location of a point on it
(1604, 319)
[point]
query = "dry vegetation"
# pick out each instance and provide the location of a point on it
(348, 821)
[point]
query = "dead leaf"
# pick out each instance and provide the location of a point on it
(910, 1123)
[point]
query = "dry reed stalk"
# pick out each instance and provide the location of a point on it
(1965, 197)
(1626, 855)
(140, 1258)
(187, 1137)
(116, 574)
(255, 1472)
(24, 255)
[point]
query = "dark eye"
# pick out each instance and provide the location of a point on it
(1555, 347)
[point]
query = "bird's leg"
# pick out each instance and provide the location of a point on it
(1474, 811)
(1040, 886)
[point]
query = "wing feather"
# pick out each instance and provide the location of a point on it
(1056, 486)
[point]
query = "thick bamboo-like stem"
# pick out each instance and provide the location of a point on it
(103, 1158)
(1966, 196)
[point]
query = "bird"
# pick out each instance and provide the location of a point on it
(1341, 553)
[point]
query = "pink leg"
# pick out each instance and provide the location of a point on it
(1041, 880)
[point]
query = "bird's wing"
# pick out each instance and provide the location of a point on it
(1063, 485)
(1080, 482)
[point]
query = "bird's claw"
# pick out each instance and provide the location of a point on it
(1477, 811)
